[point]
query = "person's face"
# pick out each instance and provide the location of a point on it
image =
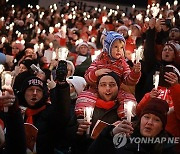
(135, 31)
(107, 88)
(83, 50)
(33, 95)
(15, 50)
(117, 50)
(22, 68)
(174, 34)
(69, 68)
(124, 32)
(30, 53)
(151, 125)
(168, 54)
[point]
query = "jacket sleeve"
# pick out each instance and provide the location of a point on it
(15, 133)
(149, 50)
(175, 91)
(90, 76)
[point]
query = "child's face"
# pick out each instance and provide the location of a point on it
(117, 50)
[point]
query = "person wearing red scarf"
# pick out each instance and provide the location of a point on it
(105, 109)
(50, 119)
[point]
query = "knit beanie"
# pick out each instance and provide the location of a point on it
(114, 75)
(157, 107)
(78, 82)
(28, 63)
(176, 48)
(32, 81)
(110, 37)
(80, 44)
(123, 27)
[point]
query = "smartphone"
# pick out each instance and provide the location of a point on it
(162, 81)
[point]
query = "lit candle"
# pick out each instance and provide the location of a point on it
(104, 18)
(133, 6)
(1, 68)
(3, 39)
(175, 3)
(62, 53)
(128, 106)
(88, 113)
(138, 54)
(156, 79)
(51, 45)
(96, 53)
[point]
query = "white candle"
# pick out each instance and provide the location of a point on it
(128, 106)
(62, 53)
(3, 39)
(88, 113)
(104, 18)
(1, 68)
(138, 54)
(156, 79)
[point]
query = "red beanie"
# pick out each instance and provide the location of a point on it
(157, 107)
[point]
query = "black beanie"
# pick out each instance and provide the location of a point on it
(32, 81)
(114, 75)
(28, 63)
(157, 107)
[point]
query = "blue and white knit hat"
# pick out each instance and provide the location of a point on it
(111, 36)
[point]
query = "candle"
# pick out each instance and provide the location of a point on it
(138, 54)
(128, 106)
(117, 7)
(62, 53)
(175, 3)
(133, 6)
(96, 53)
(104, 18)
(51, 45)
(156, 79)
(88, 113)
(1, 68)
(3, 39)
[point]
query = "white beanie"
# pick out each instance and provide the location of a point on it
(78, 82)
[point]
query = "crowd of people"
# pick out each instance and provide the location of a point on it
(64, 70)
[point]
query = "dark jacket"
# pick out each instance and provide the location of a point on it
(15, 133)
(104, 144)
(52, 121)
(80, 143)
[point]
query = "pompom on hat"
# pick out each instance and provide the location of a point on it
(110, 37)
(157, 107)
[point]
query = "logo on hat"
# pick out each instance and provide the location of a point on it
(119, 140)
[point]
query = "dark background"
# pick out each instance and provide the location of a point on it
(138, 3)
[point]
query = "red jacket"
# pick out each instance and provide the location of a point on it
(173, 118)
(120, 67)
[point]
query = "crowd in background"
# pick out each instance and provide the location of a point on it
(37, 43)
